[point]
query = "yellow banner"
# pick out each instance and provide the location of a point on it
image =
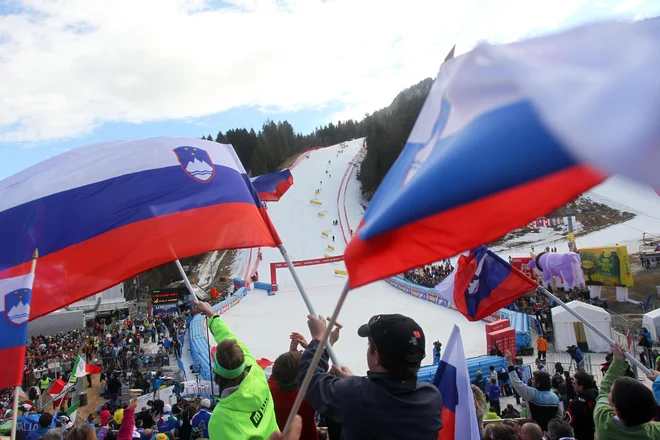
(341, 272)
(331, 247)
(321, 214)
(606, 266)
(325, 234)
(316, 202)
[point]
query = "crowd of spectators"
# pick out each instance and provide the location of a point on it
(431, 275)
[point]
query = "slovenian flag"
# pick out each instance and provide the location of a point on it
(15, 294)
(272, 186)
(509, 133)
(104, 213)
(453, 381)
(82, 368)
(482, 283)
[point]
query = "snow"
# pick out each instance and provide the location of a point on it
(618, 193)
(264, 322)
(209, 268)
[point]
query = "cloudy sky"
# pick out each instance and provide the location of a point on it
(74, 72)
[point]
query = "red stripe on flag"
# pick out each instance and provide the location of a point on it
(92, 266)
(506, 293)
(11, 368)
(448, 233)
(448, 430)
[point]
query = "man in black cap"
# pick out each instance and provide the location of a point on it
(389, 402)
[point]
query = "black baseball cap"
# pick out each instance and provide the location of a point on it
(396, 337)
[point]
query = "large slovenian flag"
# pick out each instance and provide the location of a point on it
(483, 283)
(15, 296)
(272, 186)
(507, 134)
(453, 381)
(106, 212)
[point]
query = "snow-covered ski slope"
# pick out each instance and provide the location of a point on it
(618, 193)
(265, 322)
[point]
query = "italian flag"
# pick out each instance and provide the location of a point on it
(82, 368)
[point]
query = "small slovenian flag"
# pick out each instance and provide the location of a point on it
(453, 381)
(482, 283)
(15, 295)
(272, 186)
(82, 368)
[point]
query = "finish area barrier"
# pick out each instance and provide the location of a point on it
(299, 263)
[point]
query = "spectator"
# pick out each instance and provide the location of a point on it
(114, 388)
(542, 403)
(531, 431)
(493, 373)
(494, 395)
(542, 347)
(128, 423)
(119, 415)
(46, 422)
(396, 347)
(242, 386)
(510, 412)
(57, 434)
(503, 432)
(492, 414)
(82, 432)
(145, 416)
(479, 406)
(167, 421)
(580, 412)
(284, 388)
(625, 406)
(200, 421)
(559, 429)
(480, 382)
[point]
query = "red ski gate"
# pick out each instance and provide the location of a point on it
(312, 262)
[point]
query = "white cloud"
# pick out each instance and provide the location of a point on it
(67, 66)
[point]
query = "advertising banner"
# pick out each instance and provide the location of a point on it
(164, 300)
(522, 264)
(606, 266)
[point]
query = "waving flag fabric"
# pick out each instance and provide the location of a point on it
(82, 368)
(106, 212)
(507, 134)
(272, 186)
(483, 283)
(453, 381)
(15, 296)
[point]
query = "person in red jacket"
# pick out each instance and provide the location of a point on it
(284, 389)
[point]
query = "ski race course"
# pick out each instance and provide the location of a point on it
(265, 322)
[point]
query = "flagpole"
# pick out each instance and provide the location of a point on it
(305, 297)
(323, 343)
(595, 329)
(186, 281)
(14, 413)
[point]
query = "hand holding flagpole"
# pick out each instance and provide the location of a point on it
(14, 415)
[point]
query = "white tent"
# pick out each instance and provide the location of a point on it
(651, 321)
(564, 328)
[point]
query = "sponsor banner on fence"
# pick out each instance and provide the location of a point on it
(606, 266)
(428, 294)
(522, 264)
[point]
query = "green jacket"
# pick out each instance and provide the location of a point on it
(247, 413)
(609, 428)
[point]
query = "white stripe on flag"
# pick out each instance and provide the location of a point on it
(99, 162)
(466, 416)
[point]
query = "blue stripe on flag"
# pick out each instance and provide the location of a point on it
(498, 150)
(91, 210)
(445, 380)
